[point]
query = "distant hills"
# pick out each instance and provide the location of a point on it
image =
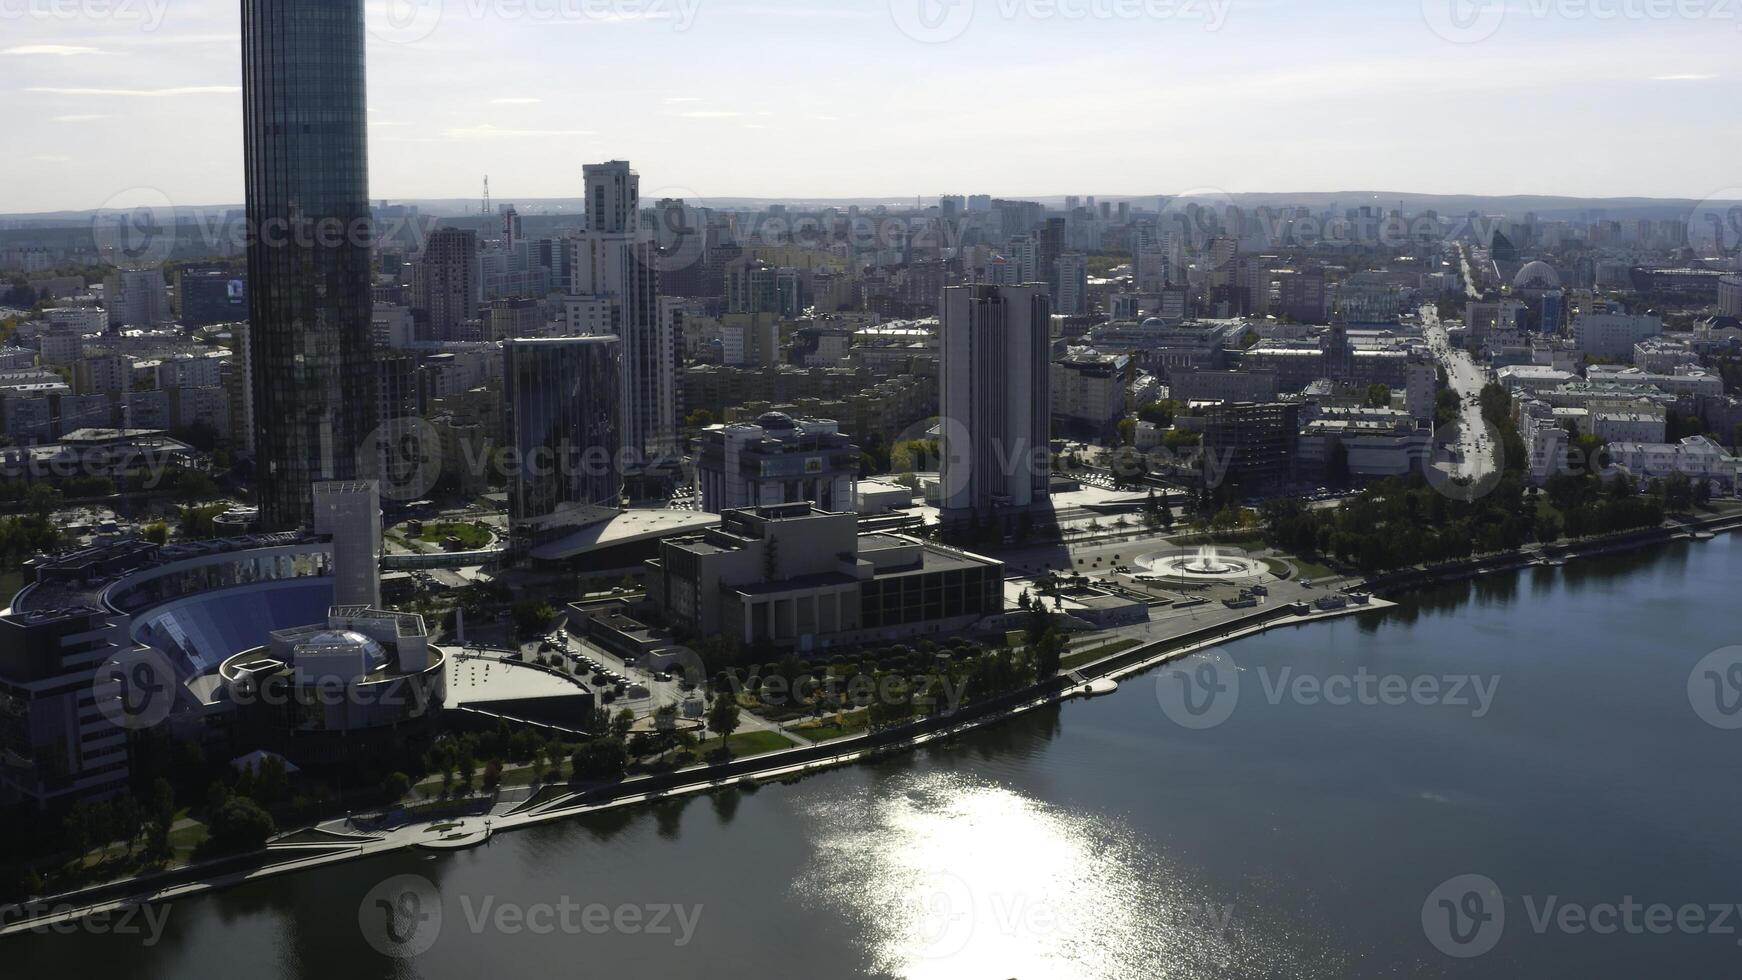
(1546, 207)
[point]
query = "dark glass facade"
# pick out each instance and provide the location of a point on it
(562, 398)
(211, 296)
(306, 157)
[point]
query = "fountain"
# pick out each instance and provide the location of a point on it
(1209, 562)
(1205, 563)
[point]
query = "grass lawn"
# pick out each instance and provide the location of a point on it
(1091, 654)
(472, 538)
(1313, 570)
(848, 723)
(746, 743)
(185, 840)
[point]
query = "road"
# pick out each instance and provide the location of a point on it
(1475, 453)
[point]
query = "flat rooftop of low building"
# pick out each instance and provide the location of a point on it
(487, 680)
(628, 526)
(883, 542)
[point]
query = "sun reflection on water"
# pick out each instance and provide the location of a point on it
(949, 876)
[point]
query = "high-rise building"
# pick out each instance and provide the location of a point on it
(615, 290)
(1421, 390)
(1303, 296)
(136, 297)
(306, 162)
(1073, 290)
(351, 514)
(996, 398)
(446, 288)
(562, 400)
(69, 694)
(517, 317)
(1051, 246)
(613, 197)
(239, 385)
(211, 294)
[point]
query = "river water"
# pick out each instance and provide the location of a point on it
(1537, 729)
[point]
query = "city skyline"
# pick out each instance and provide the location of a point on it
(344, 528)
(759, 100)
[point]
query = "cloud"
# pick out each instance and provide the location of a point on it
(1683, 78)
(45, 158)
(704, 114)
(55, 49)
(83, 117)
(516, 100)
(142, 93)
(489, 132)
(681, 99)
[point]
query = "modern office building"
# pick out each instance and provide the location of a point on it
(1303, 296)
(445, 288)
(136, 297)
(55, 740)
(306, 164)
(996, 399)
(776, 460)
(211, 294)
(615, 290)
(1073, 291)
(1251, 446)
(562, 403)
(793, 575)
(350, 513)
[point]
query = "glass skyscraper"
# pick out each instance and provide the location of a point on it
(309, 301)
(563, 400)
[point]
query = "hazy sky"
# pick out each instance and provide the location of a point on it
(766, 98)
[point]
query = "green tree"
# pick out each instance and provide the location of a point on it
(723, 719)
(621, 723)
(600, 759)
(240, 825)
(157, 533)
